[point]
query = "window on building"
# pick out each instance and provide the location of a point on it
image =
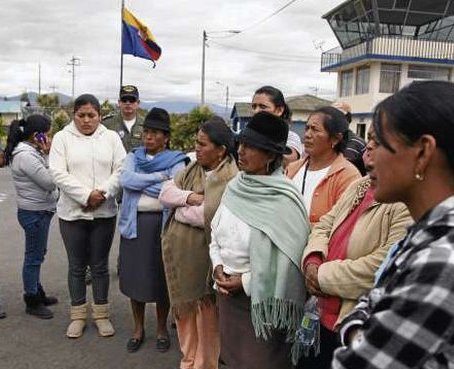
(346, 83)
(361, 130)
(362, 80)
(390, 78)
(416, 71)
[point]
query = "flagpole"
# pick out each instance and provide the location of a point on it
(121, 43)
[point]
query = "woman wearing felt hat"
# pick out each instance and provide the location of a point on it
(256, 251)
(141, 219)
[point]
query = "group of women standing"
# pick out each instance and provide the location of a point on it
(234, 246)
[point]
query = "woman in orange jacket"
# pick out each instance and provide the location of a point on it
(323, 174)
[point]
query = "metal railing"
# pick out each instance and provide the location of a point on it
(392, 48)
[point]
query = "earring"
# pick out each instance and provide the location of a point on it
(419, 177)
(268, 163)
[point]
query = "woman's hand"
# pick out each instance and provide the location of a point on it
(195, 199)
(231, 285)
(311, 280)
(44, 145)
(220, 276)
(95, 200)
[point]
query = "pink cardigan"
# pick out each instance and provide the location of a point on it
(172, 197)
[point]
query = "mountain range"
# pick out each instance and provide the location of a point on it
(171, 106)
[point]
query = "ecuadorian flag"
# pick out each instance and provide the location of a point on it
(137, 39)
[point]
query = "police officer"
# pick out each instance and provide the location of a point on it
(127, 123)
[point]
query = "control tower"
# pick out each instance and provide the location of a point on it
(384, 45)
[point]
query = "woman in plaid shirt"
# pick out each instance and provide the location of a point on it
(407, 321)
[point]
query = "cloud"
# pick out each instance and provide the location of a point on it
(279, 51)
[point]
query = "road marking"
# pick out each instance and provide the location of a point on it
(3, 196)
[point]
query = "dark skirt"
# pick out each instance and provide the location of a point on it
(142, 275)
(240, 349)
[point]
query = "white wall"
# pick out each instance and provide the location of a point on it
(367, 102)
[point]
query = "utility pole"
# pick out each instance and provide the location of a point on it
(53, 88)
(74, 62)
(227, 103)
(204, 42)
(205, 35)
(315, 89)
(39, 79)
(226, 109)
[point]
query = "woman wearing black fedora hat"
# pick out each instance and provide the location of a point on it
(256, 252)
(142, 276)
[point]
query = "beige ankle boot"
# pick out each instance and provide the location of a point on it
(100, 314)
(78, 319)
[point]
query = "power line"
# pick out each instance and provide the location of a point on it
(269, 16)
(281, 57)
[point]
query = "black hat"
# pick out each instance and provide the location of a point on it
(129, 91)
(267, 132)
(157, 118)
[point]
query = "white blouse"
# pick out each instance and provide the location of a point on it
(229, 245)
(312, 180)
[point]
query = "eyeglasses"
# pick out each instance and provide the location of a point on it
(128, 99)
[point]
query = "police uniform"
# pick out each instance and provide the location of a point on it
(130, 139)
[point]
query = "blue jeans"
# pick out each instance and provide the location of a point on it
(36, 226)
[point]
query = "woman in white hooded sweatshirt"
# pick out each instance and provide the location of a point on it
(85, 161)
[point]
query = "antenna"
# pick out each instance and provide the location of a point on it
(318, 45)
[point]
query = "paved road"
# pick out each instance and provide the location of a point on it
(27, 342)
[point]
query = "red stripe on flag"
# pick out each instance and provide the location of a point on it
(153, 49)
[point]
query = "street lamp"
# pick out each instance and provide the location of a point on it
(205, 35)
(226, 99)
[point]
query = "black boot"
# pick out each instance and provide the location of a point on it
(47, 300)
(35, 306)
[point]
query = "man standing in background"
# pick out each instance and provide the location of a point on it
(356, 146)
(127, 123)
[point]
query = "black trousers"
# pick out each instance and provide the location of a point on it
(88, 242)
(329, 341)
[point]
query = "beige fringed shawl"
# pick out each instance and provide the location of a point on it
(185, 248)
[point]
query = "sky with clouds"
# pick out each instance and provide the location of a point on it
(278, 52)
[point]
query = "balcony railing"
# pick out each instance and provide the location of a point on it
(390, 48)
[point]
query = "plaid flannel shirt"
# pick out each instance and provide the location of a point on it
(407, 320)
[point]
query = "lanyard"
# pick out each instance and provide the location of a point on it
(304, 177)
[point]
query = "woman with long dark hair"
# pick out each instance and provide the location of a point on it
(27, 152)
(407, 320)
(85, 161)
(271, 100)
(194, 196)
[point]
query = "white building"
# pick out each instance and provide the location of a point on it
(386, 44)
